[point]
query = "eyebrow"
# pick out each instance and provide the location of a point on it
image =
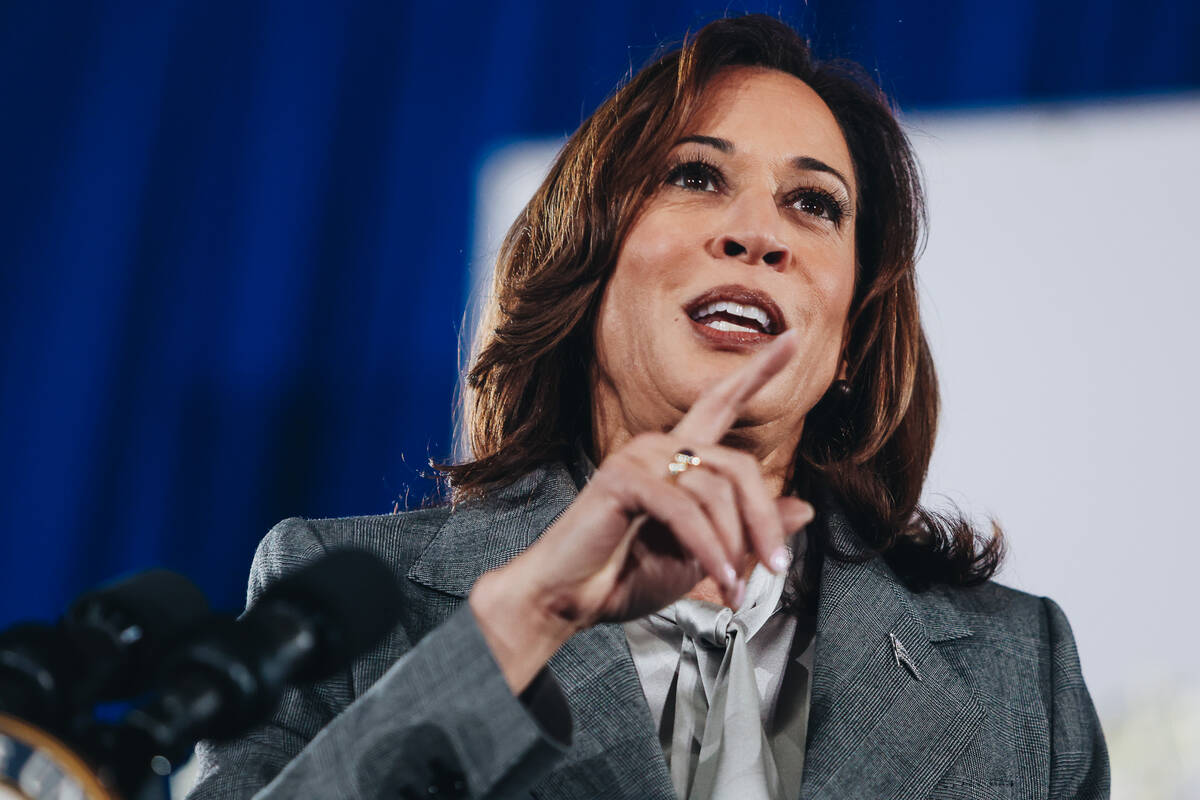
(799, 162)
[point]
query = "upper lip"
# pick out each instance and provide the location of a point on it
(743, 295)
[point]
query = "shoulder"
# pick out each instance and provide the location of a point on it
(1002, 638)
(1031, 626)
(996, 612)
(482, 530)
(398, 539)
(1017, 653)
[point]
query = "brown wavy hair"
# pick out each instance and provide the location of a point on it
(529, 389)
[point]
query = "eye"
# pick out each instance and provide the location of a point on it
(818, 203)
(696, 176)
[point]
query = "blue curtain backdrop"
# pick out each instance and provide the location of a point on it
(234, 235)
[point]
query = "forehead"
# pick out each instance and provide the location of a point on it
(771, 114)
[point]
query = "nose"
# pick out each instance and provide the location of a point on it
(749, 233)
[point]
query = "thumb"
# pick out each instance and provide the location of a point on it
(794, 513)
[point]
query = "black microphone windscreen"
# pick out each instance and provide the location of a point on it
(162, 602)
(352, 596)
(124, 628)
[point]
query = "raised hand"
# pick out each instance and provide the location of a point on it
(636, 539)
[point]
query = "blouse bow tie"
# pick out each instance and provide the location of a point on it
(718, 745)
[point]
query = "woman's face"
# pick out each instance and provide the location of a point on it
(750, 235)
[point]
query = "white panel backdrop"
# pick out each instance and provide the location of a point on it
(1059, 289)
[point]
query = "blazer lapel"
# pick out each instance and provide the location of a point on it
(889, 715)
(615, 750)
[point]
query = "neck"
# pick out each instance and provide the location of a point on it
(614, 424)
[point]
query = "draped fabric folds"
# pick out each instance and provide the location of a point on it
(717, 700)
(729, 691)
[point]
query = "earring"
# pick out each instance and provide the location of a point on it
(841, 417)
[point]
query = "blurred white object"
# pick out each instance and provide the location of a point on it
(183, 779)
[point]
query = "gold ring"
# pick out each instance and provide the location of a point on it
(681, 462)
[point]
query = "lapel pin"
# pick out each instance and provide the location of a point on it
(903, 658)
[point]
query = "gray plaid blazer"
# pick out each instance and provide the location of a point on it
(951, 693)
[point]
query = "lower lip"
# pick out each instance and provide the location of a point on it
(730, 340)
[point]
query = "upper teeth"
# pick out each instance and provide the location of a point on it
(749, 312)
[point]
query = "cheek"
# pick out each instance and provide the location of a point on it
(649, 266)
(610, 333)
(658, 240)
(841, 293)
(833, 287)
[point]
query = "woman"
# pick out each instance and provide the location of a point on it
(711, 297)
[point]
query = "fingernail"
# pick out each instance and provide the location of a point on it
(729, 576)
(780, 560)
(739, 594)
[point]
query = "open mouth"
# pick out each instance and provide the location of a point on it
(738, 312)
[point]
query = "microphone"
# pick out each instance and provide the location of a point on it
(36, 667)
(125, 629)
(105, 647)
(304, 628)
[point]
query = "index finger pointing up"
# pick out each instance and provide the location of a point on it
(718, 406)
